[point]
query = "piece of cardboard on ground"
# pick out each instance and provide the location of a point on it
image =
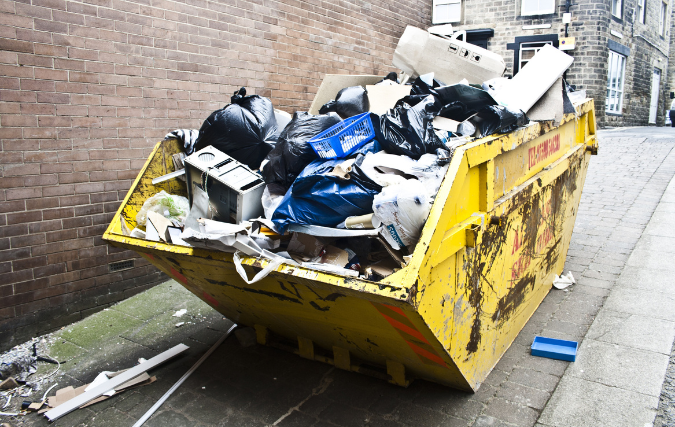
(534, 79)
(418, 52)
(333, 83)
(65, 394)
(8, 384)
(382, 98)
(549, 106)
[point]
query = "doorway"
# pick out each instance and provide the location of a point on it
(654, 104)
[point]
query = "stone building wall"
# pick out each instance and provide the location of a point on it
(592, 26)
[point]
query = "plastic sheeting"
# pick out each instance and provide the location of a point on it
(318, 197)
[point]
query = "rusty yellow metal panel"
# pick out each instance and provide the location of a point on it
(497, 234)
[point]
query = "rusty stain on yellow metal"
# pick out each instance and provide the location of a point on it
(497, 234)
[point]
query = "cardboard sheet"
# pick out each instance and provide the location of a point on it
(333, 83)
(305, 244)
(549, 106)
(382, 98)
(160, 223)
(335, 256)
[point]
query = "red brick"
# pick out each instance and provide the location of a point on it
(14, 254)
(58, 190)
(49, 214)
(23, 217)
(31, 307)
(57, 236)
(39, 180)
(40, 227)
(29, 263)
(63, 257)
(14, 277)
(14, 230)
(81, 199)
(46, 74)
(23, 287)
(46, 249)
(53, 98)
(16, 46)
(30, 240)
(51, 26)
(12, 120)
(42, 203)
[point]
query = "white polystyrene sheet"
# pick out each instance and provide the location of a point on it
(534, 79)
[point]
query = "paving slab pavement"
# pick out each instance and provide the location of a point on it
(621, 364)
(261, 386)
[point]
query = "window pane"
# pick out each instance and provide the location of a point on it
(615, 81)
(616, 8)
(447, 11)
(455, 12)
(537, 7)
(530, 7)
(442, 13)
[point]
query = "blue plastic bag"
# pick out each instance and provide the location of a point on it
(316, 198)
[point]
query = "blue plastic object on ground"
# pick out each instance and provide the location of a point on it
(555, 349)
(343, 138)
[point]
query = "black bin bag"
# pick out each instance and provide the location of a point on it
(241, 129)
(350, 101)
(292, 153)
(409, 130)
(497, 118)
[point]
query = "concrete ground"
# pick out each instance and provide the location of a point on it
(621, 310)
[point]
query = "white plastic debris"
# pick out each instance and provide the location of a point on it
(180, 313)
(562, 282)
(402, 209)
(179, 324)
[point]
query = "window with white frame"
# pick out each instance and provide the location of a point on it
(615, 77)
(617, 8)
(662, 18)
(641, 11)
(537, 7)
(446, 11)
(527, 51)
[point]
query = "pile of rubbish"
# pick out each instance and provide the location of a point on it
(347, 186)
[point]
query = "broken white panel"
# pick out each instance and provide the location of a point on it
(383, 98)
(534, 79)
(549, 106)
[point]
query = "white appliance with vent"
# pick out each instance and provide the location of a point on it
(419, 52)
(234, 190)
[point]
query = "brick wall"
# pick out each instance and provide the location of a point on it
(86, 90)
(591, 26)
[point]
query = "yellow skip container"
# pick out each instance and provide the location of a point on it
(496, 236)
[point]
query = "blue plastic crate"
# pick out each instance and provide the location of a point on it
(555, 349)
(343, 138)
